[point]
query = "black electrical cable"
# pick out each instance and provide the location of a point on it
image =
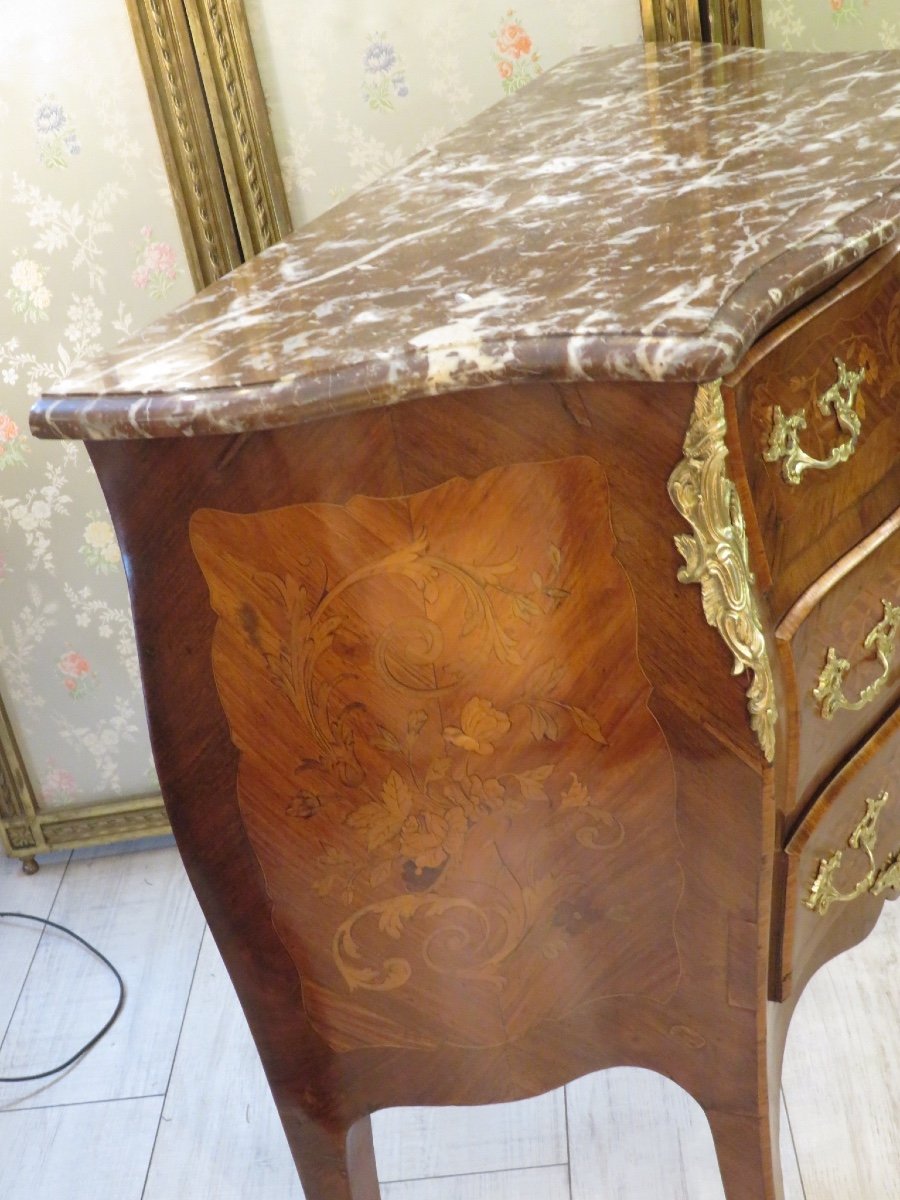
(97, 1036)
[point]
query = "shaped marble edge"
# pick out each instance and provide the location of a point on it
(734, 184)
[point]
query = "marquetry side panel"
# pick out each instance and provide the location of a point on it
(438, 722)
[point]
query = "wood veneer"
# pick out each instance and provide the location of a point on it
(804, 529)
(687, 1002)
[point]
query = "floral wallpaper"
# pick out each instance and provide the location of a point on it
(90, 250)
(832, 24)
(353, 91)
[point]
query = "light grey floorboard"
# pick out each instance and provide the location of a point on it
(537, 1183)
(412, 1143)
(635, 1135)
(138, 910)
(78, 1152)
(842, 1072)
(220, 1135)
(33, 894)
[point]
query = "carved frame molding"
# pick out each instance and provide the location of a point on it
(213, 125)
(731, 22)
(26, 830)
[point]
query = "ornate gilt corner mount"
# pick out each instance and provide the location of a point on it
(824, 891)
(717, 557)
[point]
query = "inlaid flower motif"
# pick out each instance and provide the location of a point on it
(29, 293)
(99, 548)
(12, 443)
(57, 139)
(156, 267)
(480, 726)
(384, 78)
(517, 61)
(76, 674)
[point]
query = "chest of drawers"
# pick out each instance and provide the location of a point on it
(514, 562)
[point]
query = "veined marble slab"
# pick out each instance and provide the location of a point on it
(637, 214)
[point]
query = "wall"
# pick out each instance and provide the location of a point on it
(832, 24)
(355, 88)
(90, 249)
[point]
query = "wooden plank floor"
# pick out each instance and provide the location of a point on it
(173, 1105)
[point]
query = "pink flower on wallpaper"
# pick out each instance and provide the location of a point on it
(76, 672)
(12, 443)
(512, 40)
(847, 11)
(9, 430)
(156, 267)
(58, 784)
(514, 53)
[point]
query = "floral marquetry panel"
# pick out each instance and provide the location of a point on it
(441, 724)
(90, 252)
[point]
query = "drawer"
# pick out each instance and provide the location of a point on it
(840, 653)
(823, 387)
(844, 859)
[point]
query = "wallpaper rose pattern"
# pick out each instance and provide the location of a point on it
(90, 250)
(832, 24)
(354, 92)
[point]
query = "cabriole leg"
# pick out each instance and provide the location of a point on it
(334, 1163)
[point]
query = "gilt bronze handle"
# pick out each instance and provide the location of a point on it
(824, 892)
(829, 690)
(840, 398)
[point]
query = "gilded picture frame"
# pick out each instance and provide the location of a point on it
(731, 22)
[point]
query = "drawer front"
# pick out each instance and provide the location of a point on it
(818, 409)
(844, 859)
(840, 651)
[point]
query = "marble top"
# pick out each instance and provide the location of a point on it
(639, 213)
